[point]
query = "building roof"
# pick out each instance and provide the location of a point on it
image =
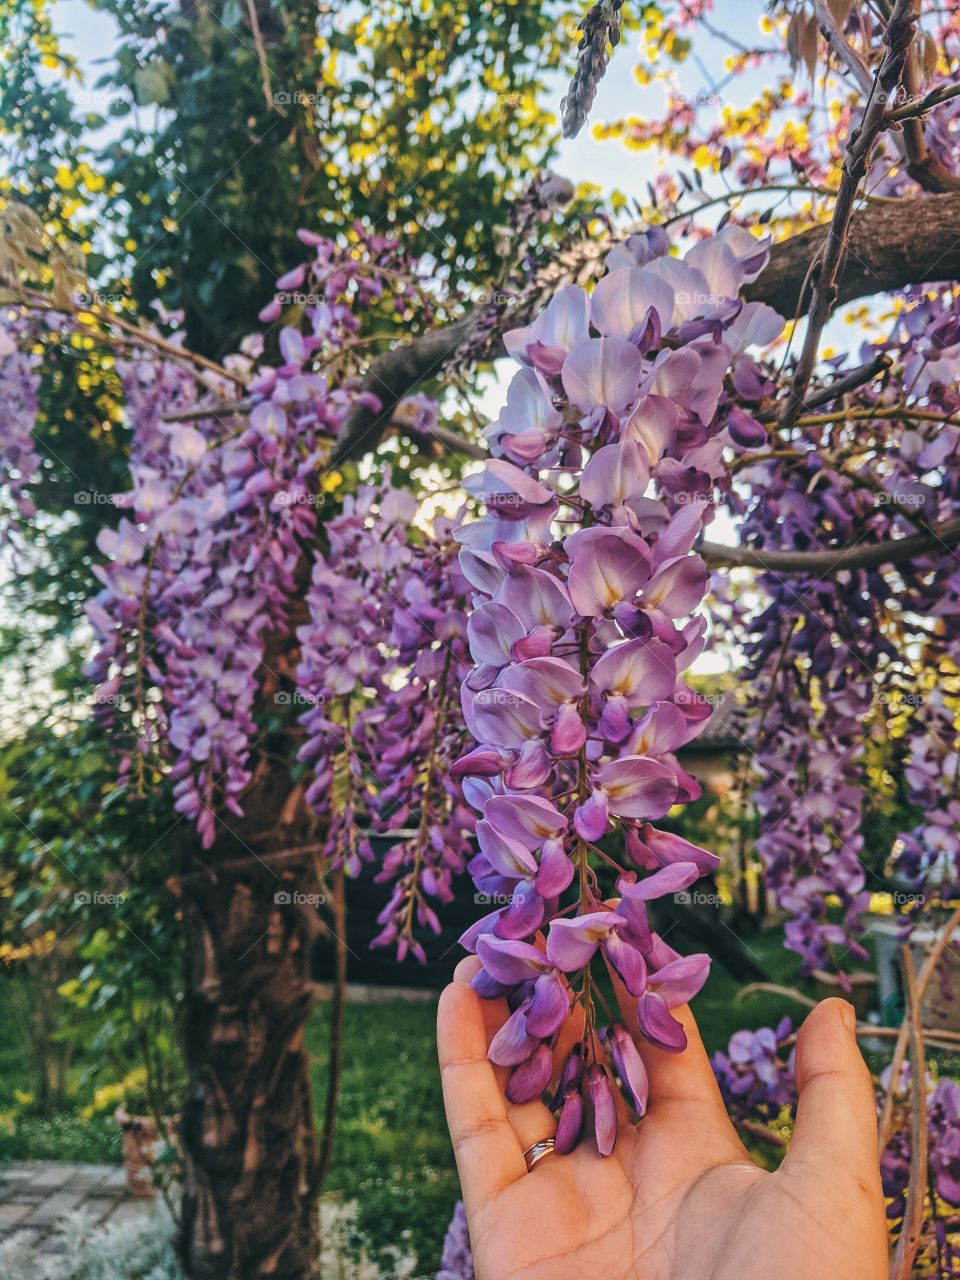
(727, 729)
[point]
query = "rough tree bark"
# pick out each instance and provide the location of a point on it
(250, 1152)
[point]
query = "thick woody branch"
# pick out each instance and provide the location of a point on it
(825, 268)
(862, 555)
(393, 375)
(889, 247)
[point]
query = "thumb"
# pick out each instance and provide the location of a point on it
(837, 1112)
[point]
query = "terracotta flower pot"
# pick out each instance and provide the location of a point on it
(141, 1144)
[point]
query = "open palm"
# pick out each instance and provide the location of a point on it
(680, 1198)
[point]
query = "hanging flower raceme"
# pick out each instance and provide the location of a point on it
(928, 855)
(586, 589)
(223, 500)
(382, 660)
(862, 654)
(19, 382)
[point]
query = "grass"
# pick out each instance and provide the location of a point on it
(391, 1153)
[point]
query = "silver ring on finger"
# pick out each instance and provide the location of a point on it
(533, 1155)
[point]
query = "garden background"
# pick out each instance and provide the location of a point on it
(157, 163)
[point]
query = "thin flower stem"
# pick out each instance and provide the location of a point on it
(930, 964)
(901, 1267)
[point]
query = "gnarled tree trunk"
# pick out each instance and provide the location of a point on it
(250, 1152)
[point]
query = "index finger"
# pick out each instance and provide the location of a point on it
(487, 1150)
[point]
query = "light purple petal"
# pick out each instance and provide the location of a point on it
(570, 1122)
(663, 883)
(527, 819)
(606, 566)
(680, 980)
(546, 681)
(507, 857)
(536, 597)
(615, 475)
(529, 1080)
(604, 1108)
(658, 1025)
(571, 943)
(531, 769)
(550, 1005)
(640, 671)
(653, 425)
(602, 371)
(568, 733)
(502, 717)
(663, 729)
(511, 1045)
(637, 787)
(677, 588)
(492, 629)
(629, 1067)
(590, 819)
(524, 913)
(510, 961)
(666, 848)
(621, 300)
(556, 870)
(628, 962)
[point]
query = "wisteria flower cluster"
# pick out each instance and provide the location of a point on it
(222, 504)
(586, 590)
(19, 382)
(929, 855)
(830, 656)
(381, 662)
(756, 1073)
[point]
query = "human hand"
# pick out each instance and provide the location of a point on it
(679, 1198)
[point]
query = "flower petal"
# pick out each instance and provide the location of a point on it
(511, 1045)
(680, 980)
(637, 787)
(602, 371)
(530, 1078)
(658, 1025)
(604, 1108)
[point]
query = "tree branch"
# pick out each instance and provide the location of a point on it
(922, 165)
(825, 268)
(901, 1266)
(889, 247)
(862, 555)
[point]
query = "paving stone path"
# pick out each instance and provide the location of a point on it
(36, 1194)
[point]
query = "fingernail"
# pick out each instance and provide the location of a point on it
(849, 1015)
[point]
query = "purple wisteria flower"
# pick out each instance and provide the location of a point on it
(224, 470)
(586, 588)
(381, 662)
(456, 1262)
(19, 383)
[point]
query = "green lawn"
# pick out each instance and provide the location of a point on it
(391, 1153)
